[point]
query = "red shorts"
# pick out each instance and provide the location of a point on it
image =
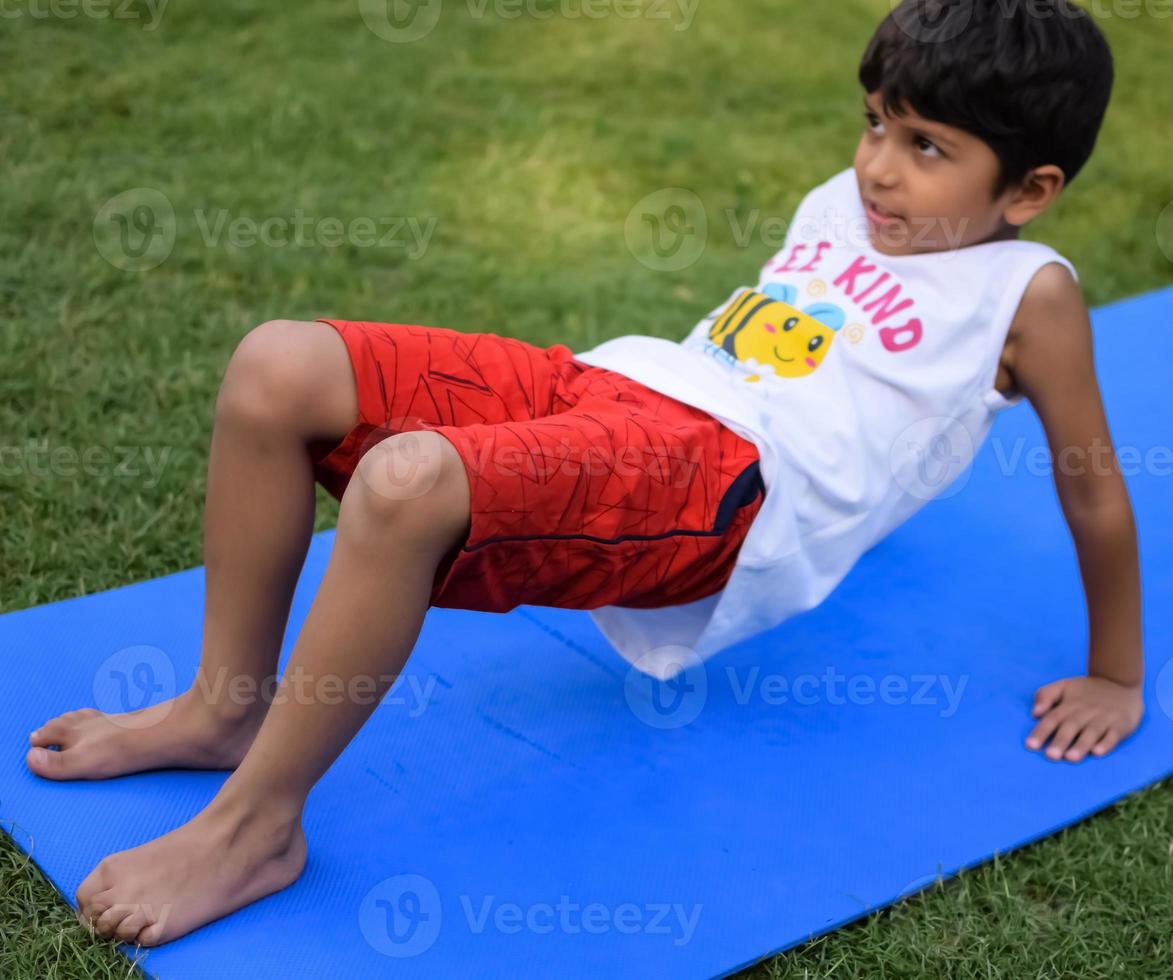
(587, 488)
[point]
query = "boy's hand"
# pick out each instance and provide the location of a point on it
(1101, 712)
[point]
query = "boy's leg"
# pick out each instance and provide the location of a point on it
(407, 505)
(287, 383)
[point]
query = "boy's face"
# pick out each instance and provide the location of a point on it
(935, 178)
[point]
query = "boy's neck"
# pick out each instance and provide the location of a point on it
(1005, 233)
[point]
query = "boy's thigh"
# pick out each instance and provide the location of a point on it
(642, 501)
(410, 376)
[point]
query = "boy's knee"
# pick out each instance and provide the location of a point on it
(275, 369)
(416, 481)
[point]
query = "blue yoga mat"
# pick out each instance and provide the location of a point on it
(522, 804)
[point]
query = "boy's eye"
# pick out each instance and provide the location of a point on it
(930, 144)
(875, 126)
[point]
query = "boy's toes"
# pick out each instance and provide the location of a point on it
(57, 730)
(151, 935)
(51, 733)
(51, 764)
(129, 928)
(110, 920)
(44, 762)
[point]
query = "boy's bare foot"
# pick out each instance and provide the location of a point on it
(224, 858)
(184, 732)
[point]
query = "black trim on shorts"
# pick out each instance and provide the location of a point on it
(744, 490)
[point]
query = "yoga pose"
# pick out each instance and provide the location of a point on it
(688, 493)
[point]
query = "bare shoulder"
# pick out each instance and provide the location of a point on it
(1052, 315)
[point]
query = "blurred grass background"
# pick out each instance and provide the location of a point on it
(523, 143)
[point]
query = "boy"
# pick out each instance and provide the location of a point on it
(479, 471)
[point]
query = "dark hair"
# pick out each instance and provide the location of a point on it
(1032, 79)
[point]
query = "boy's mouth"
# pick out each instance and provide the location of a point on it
(880, 214)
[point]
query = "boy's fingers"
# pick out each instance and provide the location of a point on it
(1047, 696)
(1052, 720)
(1107, 743)
(1066, 735)
(1091, 734)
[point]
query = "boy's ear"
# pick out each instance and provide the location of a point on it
(1034, 195)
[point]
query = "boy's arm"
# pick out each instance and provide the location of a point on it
(1052, 364)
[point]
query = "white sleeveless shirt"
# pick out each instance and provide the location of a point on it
(865, 381)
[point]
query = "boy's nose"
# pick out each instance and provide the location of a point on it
(880, 170)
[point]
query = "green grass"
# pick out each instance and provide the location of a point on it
(527, 142)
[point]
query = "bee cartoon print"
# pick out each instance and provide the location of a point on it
(765, 328)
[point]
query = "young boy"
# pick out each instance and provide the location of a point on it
(483, 472)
